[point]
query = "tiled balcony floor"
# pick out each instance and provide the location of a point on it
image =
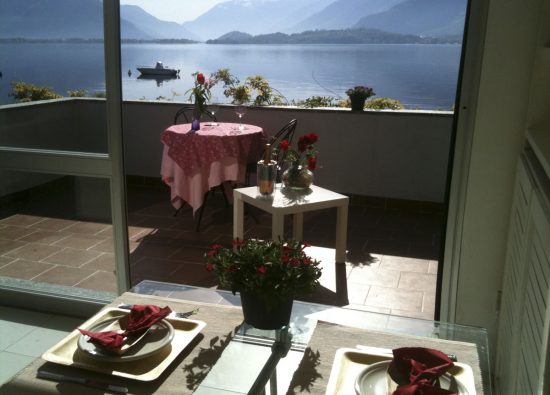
(391, 266)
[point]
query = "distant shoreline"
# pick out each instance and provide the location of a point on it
(211, 42)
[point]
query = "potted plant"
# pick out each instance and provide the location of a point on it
(267, 274)
(358, 95)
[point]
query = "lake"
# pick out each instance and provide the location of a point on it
(420, 76)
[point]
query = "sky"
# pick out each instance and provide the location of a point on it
(174, 10)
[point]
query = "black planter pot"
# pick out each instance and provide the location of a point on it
(357, 104)
(257, 314)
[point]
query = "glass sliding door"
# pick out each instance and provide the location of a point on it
(62, 198)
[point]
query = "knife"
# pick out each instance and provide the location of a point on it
(81, 380)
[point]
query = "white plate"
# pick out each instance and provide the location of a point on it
(375, 380)
(158, 336)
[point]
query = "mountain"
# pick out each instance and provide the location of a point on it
(344, 36)
(55, 19)
(152, 26)
(342, 14)
(422, 17)
(253, 16)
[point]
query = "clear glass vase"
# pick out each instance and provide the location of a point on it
(297, 177)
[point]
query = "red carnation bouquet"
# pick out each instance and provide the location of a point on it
(306, 155)
(200, 93)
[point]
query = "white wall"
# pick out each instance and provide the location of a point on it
(401, 155)
(497, 139)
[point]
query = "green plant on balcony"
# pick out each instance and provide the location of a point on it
(318, 101)
(24, 92)
(255, 89)
(384, 103)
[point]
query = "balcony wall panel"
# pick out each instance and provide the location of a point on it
(399, 155)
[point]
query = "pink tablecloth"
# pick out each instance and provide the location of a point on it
(194, 162)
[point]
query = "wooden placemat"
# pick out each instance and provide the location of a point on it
(183, 376)
(313, 374)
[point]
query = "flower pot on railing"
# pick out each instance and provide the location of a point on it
(357, 103)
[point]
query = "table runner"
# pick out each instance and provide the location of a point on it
(313, 374)
(182, 377)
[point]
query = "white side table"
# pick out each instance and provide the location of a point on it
(285, 202)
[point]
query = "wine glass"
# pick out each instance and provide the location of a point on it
(214, 107)
(240, 110)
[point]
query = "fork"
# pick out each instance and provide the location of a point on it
(174, 314)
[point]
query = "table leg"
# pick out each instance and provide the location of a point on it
(298, 226)
(340, 258)
(238, 217)
(277, 227)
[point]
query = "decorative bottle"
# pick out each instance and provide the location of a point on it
(266, 172)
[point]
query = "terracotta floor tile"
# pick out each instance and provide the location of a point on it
(374, 276)
(21, 220)
(44, 237)
(195, 274)
(104, 262)
(72, 257)
(54, 224)
(24, 269)
(4, 260)
(12, 232)
(191, 254)
(404, 264)
(33, 251)
(101, 281)
(398, 246)
(7, 246)
(87, 228)
(432, 267)
(104, 246)
(417, 281)
(82, 242)
(155, 250)
(393, 298)
(358, 293)
(63, 275)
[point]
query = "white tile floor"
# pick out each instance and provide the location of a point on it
(25, 335)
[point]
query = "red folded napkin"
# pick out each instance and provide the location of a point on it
(140, 318)
(416, 369)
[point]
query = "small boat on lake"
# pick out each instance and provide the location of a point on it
(159, 69)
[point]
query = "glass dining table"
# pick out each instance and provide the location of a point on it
(258, 361)
(322, 351)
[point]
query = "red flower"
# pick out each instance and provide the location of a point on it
(209, 267)
(211, 252)
(284, 259)
(305, 244)
(286, 249)
(200, 78)
(262, 269)
(216, 247)
(306, 261)
(311, 163)
(294, 261)
(283, 145)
